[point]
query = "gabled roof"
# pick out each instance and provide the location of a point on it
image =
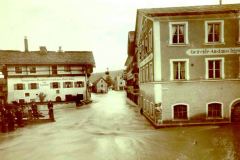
(95, 82)
(36, 57)
(191, 10)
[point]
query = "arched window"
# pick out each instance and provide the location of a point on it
(214, 110)
(180, 111)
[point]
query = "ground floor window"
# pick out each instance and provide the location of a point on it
(214, 110)
(180, 112)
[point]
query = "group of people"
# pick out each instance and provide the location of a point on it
(9, 116)
(12, 115)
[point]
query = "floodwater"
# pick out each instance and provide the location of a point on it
(111, 129)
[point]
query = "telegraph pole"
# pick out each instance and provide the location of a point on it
(220, 2)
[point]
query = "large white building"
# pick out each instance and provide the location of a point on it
(46, 75)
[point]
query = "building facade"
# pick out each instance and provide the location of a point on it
(119, 83)
(131, 71)
(100, 86)
(46, 75)
(188, 60)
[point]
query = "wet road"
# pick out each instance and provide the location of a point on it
(111, 129)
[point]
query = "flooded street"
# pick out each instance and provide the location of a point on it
(111, 129)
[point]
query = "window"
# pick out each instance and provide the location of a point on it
(214, 31)
(67, 84)
(178, 33)
(27, 94)
(19, 86)
(179, 69)
(67, 68)
(33, 86)
(150, 40)
(214, 110)
(150, 71)
(18, 69)
(55, 85)
(147, 76)
(214, 68)
(80, 84)
(180, 112)
(32, 69)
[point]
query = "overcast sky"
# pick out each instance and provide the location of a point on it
(100, 26)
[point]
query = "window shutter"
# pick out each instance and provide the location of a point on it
(29, 86)
(51, 85)
(15, 86)
(58, 84)
(23, 86)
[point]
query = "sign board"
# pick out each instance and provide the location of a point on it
(212, 51)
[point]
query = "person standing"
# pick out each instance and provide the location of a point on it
(11, 120)
(4, 119)
(50, 111)
(34, 110)
(19, 116)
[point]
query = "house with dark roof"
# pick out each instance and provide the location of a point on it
(54, 75)
(100, 86)
(188, 59)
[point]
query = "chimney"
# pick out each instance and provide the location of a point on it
(43, 50)
(26, 44)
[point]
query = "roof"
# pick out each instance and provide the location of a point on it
(36, 57)
(192, 10)
(95, 82)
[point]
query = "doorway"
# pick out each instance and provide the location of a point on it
(235, 112)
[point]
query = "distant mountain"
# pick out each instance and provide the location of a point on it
(113, 74)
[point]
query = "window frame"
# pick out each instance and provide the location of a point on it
(221, 32)
(222, 72)
(18, 69)
(31, 86)
(32, 69)
(19, 86)
(68, 84)
(207, 108)
(180, 119)
(187, 77)
(53, 85)
(81, 85)
(186, 40)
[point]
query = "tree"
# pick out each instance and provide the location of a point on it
(109, 80)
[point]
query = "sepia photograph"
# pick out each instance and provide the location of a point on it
(119, 80)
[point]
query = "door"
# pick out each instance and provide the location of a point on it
(235, 115)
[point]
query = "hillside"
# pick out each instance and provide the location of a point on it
(113, 74)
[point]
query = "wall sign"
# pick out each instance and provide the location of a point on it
(212, 51)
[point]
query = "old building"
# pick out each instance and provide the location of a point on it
(46, 75)
(131, 72)
(100, 86)
(189, 64)
(118, 83)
